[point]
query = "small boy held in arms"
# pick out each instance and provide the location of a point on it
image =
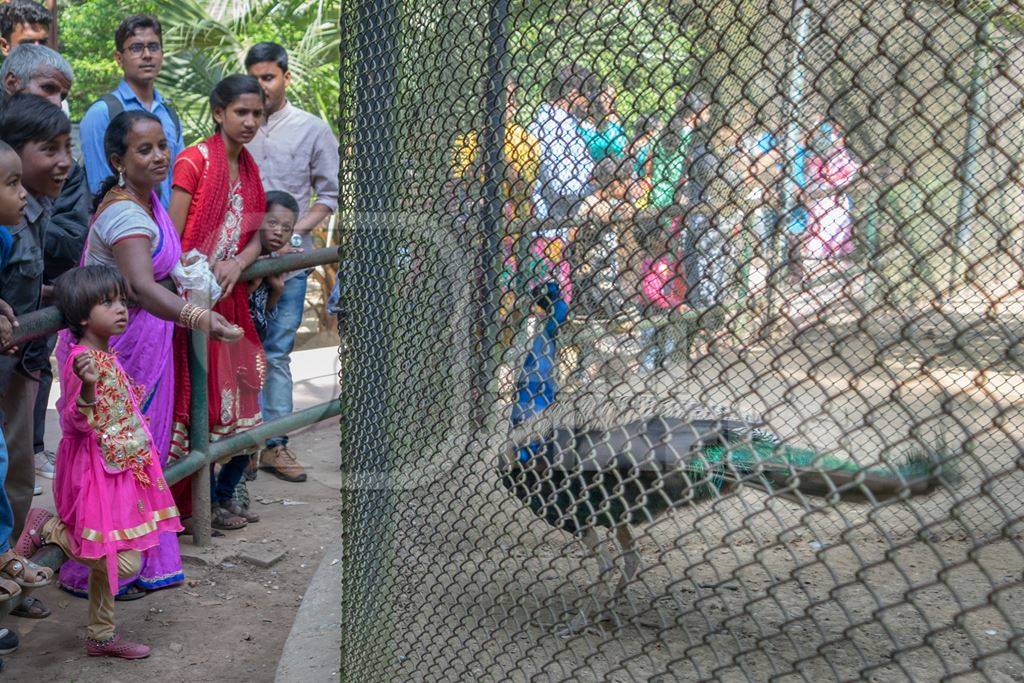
(15, 571)
(275, 235)
(111, 497)
(12, 209)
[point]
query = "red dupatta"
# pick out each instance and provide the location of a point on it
(236, 371)
(210, 200)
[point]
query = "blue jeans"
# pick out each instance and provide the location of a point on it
(282, 323)
(6, 514)
(222, 486)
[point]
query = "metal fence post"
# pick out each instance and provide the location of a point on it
(369, 54)
(491, 223)
(789, 187)
(199, 436)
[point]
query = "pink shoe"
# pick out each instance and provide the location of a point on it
(30, 540)
(116, 647)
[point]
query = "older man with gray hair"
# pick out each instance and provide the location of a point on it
(38, 70)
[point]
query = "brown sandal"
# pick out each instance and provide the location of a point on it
(222, 518)
(19, 570)
(31, 608)
(8, 589)
(243, 511)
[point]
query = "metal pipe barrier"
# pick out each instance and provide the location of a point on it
(203, 452)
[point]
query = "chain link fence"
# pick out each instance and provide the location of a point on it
(681, 340)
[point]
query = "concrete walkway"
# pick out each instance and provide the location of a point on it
(312, 652)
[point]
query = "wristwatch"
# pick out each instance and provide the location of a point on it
(296, 240)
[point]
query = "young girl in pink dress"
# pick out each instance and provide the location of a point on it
(111, 498)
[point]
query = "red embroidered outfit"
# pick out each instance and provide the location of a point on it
(222, 218)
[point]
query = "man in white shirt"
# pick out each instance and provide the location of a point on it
(297, 153)
(563, 177)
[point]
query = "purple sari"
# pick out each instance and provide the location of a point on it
(145, 353)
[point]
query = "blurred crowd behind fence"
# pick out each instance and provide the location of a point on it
(766, 429)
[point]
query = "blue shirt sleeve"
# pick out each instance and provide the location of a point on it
(6, 242)
(91, 130)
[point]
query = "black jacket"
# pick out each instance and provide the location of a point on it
(64, 236)
(21, 284)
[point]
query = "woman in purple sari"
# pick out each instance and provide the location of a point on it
(131, 231)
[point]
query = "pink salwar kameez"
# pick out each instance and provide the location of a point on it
(109, 489)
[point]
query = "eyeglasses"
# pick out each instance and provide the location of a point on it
(137, 48)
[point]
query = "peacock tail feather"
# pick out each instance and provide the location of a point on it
(765, 463)
(594, 461)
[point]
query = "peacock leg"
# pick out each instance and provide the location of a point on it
(593, 542)
(605, 563)
(630, 557)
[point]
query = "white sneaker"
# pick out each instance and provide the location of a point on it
(44, 464)
(37, 491)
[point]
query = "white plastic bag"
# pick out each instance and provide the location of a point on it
(195, 279)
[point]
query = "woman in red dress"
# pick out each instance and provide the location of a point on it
(217, 205)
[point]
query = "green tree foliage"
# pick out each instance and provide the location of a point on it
(204, 41)
(637, 48)
(203, 46)
(87, 42)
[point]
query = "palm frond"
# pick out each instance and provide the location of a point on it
(206, 41)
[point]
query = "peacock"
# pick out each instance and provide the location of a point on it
(588, 463)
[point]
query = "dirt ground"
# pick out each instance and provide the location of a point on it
(230, 619)
(748, 588)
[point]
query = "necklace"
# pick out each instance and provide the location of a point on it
(120, 193)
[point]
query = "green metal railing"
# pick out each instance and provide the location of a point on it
(203, 452)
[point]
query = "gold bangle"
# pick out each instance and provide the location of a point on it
(197, 323)
(183, 315)
(191, 315)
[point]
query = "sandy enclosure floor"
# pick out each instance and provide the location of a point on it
(746, 587)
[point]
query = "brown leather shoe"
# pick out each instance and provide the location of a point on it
(280, 462)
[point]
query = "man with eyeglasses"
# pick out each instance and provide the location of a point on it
(139, 52)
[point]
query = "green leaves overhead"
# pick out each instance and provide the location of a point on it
(206, 41)
(637, 48)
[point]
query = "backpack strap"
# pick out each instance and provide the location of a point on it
(173, 113)
(114, 107)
